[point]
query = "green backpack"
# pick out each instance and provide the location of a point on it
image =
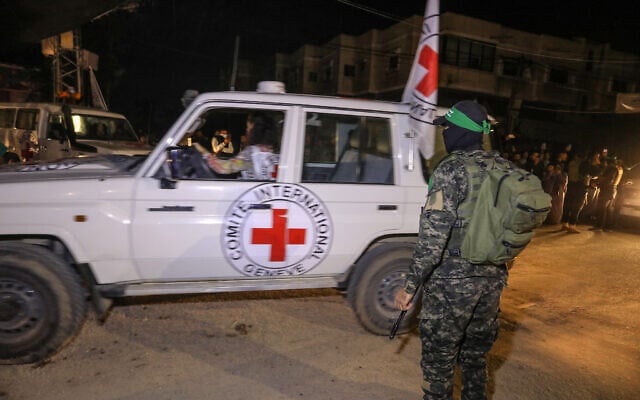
(504, 206)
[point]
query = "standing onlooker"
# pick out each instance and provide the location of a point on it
(617, 205)
(535, 165)
(576, 194)
(459, 317)
(594, 169)
(546, 158)
(555, 184)
(561, 160)
(608, 182)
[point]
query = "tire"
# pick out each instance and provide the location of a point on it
(42, 303)
(378, 275)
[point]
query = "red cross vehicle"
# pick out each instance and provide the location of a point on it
(330, 200)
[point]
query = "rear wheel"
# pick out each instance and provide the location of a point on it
(377, 278)
(42, 303)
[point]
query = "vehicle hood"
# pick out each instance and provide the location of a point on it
(97, 167)
(117, 147)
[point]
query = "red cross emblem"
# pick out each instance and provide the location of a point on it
(278, 236)
(429, 60)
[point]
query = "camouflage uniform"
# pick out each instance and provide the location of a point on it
(459, 316)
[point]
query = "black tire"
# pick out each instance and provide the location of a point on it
(42, 303)
(372, 288)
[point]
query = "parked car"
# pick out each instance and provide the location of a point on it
(628, 199)
(51, 131)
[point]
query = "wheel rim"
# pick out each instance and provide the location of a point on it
(21, 308)
(386, 291)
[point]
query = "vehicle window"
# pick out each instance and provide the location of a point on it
(347, 149)
(96, 127)
(6, 117)
(27, 119)
(222, 134)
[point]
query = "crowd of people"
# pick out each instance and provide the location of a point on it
(585, 188)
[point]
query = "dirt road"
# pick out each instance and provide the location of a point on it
(569, 330)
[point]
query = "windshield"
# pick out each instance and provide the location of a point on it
(96, 127)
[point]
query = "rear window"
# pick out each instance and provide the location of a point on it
(347, 149)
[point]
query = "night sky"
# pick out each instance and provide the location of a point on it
(148, 57)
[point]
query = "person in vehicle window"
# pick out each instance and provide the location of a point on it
(256, 161)
(101, 131)
(221, 144)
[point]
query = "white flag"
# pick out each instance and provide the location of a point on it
(97, 99)
(421, 91)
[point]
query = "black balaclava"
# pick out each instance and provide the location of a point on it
(464, 124)
(457, 138)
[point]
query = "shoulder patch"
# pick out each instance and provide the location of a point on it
(435, 201)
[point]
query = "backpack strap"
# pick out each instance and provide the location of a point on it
(476, 164)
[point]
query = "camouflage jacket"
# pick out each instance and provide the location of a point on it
(448, 188)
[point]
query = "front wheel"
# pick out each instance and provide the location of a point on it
(42, 303)
(377, 278)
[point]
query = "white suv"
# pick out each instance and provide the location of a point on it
(341, 210)
(49, 131)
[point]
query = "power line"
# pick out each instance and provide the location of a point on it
(373, 11)
(498, 46)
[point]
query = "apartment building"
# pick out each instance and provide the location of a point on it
(538, 86)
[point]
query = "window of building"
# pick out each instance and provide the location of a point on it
(516, 67)
(347, 149)
(362, 65)
(560, 76)
(510, 68)
(589, 66)
(312, 77)
(467, 53)
(349, 70)
(619, 86)
(393, 62)
(327, 73)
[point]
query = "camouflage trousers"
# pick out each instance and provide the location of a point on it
(458, 324)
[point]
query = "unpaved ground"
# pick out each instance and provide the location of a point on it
(569, 330)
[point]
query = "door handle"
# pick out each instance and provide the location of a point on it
(387, 207)
(172, 208)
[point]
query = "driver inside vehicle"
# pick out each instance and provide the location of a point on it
(257, 161)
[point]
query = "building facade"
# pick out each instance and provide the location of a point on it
(539, 87)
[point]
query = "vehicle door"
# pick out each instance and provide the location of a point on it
(347, 160)
(54, 143)
(27, 120)
(200, 225)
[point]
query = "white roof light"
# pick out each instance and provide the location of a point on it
(271, 87)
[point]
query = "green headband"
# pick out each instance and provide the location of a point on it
(460, 119)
